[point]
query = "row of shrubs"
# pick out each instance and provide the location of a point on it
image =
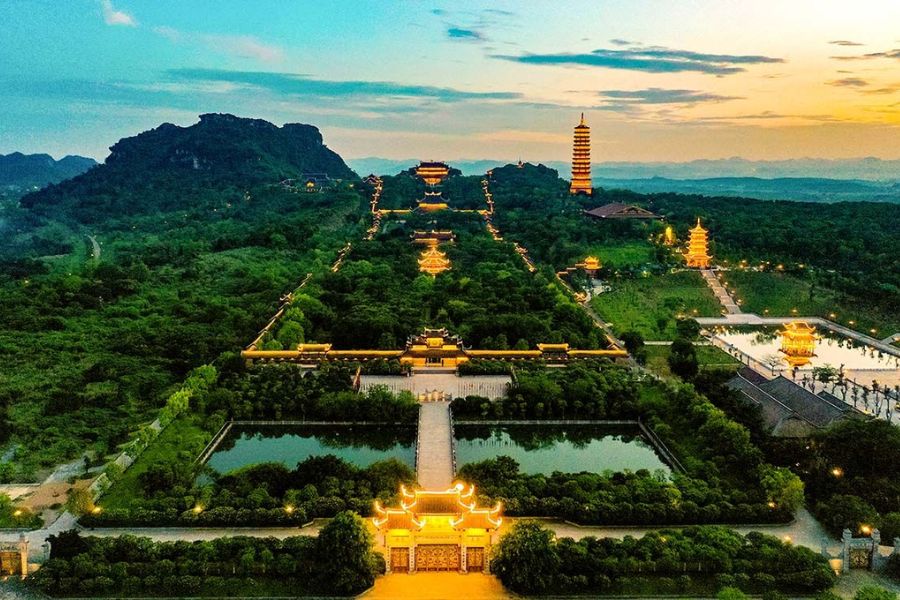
(531, 560)
(339, 561)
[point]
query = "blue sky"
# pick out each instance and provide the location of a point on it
(666, 80)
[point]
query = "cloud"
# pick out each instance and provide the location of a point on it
(650, 59)
(243, 46)
(890, 89)
(112, 16)
(465, 35)
(844, 43)
(662, 96)
(621, 42)
(854, 82)
(895, 53)
(290, 84)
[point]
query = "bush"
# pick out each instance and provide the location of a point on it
(530, 560)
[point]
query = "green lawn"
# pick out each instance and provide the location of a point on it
(182, 441)
(708, 356)
(650, 305)
(624, 253)
(781, 295)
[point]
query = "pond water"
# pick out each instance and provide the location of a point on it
(290, 444)
(566, 448)
(763, 344)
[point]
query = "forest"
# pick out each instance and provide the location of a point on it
(379, 297)
(91, 349)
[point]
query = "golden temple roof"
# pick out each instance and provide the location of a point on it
(457, 503)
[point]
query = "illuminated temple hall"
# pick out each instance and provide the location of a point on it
(697, 254)
(433, 348)
(437, 531)
(433, 261)
(581, 160)
(433, 174)
(798, 342)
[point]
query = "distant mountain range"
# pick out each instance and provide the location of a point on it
(809, 180)
(874, 169)
(28, 171)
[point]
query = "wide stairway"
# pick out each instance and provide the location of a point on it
(434, 462)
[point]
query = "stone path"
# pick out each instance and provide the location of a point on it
(453, 386)
(721, 293)
(437, 586)
(434, 453)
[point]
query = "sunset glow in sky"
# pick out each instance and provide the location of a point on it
(659, 80)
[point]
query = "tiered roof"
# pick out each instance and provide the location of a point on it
(455, 507)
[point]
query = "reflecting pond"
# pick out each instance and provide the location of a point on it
(567, 448)
(763, 344)
(360, 445)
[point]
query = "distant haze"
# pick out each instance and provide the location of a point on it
(854, 168)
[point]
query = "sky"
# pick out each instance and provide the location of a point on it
(658, 80)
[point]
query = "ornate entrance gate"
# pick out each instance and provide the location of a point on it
(475, 559)
(399, 560)
(437, 557)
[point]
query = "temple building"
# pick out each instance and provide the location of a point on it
(434, 236)
(437, 531)
(697, 254)
(433, 261)
(798, 343)
(581, 160)
(433, 348)
(617, 210)
(432, 173)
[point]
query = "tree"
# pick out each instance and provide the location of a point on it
(782, 487)
(634, 343)
(731, 593)
(343, 551)
(526, 559)
(80, 502)
(683, 359)
(689, 329)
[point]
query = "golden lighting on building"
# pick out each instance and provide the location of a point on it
(798, 342)
(437, 530)
(697, 254)
(432, 173)
(669, 236)
(581, 160)
(433, 261)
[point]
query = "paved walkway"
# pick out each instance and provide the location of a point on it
(891, 339)
(720, 292)
(434, 460)
(437, 586)
(453, 386)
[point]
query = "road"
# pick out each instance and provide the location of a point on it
(95, 248)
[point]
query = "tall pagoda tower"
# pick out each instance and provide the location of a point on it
(581, 160)
(698, 248)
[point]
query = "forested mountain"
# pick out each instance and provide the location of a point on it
(37, 170)
(171, 167)
(116, 283)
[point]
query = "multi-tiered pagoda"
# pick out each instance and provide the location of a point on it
(433, 261)
(581, 160)
(697, 255)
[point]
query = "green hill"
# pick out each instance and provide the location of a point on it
(172, 168)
